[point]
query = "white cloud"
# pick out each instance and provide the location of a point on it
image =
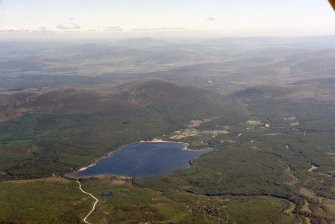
(113, 28)
(106, 29)
(14, 29)
(211, 19)
(69, 25)
(159, 29)
(43, 30)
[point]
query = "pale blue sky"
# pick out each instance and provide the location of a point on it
(229, 17)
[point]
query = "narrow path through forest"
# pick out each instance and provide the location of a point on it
(94, 205)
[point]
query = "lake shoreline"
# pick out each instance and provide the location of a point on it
(185, 147)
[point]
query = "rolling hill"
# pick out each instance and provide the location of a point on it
(62, 129)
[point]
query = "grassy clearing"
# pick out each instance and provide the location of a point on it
(42, 201)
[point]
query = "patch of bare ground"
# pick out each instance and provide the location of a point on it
(290, 209)
(307, 193)
(197, 123)
(330, 205)
(305, 207)
(314, 169)
(307, 220)
(47, 179)
(111, 180)
(332, 155)
(272, 134)
(327, 203)
(293, 179)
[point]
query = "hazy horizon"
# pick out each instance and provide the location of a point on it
(74, 19)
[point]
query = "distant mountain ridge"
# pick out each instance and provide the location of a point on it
(128, 96)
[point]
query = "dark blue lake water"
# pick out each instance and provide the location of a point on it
(145, 160)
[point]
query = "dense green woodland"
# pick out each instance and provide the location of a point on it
(37, 145)
(258, 170)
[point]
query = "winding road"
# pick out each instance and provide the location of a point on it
(94, 205)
